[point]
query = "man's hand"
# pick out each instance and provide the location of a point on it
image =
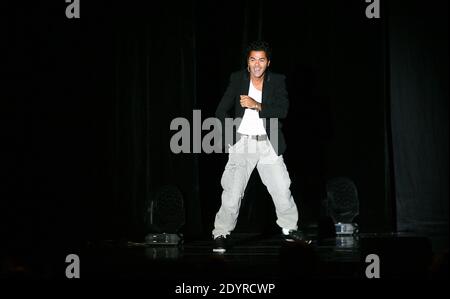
(248, 102)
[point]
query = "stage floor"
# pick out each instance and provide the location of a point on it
(254, 257)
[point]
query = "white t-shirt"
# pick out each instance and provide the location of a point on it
(251, 123)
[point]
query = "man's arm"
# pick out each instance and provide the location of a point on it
(279, 105)
(227, 101)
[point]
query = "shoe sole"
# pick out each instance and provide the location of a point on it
(307, 242)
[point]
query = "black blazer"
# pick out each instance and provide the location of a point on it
(275, 102)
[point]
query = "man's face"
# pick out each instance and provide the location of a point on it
(257, 63)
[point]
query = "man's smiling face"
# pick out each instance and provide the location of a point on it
(257, 63)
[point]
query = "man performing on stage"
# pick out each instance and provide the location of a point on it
(255, 94)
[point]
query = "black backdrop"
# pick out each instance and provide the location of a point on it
(88, 141)
(419, 105)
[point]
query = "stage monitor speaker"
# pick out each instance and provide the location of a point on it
(342, 205)
(165, 217)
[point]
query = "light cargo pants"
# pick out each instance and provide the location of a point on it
(242, 159)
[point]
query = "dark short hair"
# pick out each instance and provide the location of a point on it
(258, 46)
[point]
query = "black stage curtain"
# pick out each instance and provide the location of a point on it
(419, 114)
(154, 82)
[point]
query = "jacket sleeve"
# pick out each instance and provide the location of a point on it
(279, 105)
(227, 101)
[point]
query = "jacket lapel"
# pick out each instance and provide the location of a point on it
(243, 90)
(245, 83)
(267, 88)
